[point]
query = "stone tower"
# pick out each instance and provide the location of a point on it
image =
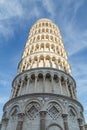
(44, 91)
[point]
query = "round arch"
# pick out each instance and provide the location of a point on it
(54, 125)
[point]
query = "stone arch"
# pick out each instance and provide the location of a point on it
(41, 61)
(55, 77)
(40, 75)
(43, 29)
(54, 65)
(39, 72)
(38, 38)
(32, 109)
(47, 37)
(54, 109)
(46, 23)
(39, 30)
(53, 47)
(57, 102)
(35, 58)
(42, 46)
(72, 106)
(32, 76)
(41, 57)
(52, 38)
(31, 50)
(14, 110)
(51, 31)
(4, 115)
(47, 30)
(36, 46)
(47, 64)
(54, 125)
(48, 76)
(72, 113)
(42, 37)
(47, 46)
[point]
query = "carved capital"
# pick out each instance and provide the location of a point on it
(42, 114)
(5, 121)
(80, 121)
(64, 117)
(85, 126)
(20, 116)
(65, 121)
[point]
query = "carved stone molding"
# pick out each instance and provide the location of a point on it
(42, 120)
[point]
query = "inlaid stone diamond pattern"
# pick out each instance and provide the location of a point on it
(54, 110)
(72, 114)
(32, 110)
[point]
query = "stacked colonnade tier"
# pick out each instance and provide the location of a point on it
(43, 95)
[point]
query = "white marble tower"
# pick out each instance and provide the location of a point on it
(44, 91)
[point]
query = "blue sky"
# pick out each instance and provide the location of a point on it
(16, 19)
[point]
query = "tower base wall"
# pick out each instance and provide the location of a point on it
(42, 112)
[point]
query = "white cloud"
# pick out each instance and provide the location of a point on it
(8, 11)
(3, 100)
(14, 13)
(4, 83)
(35, 12)
(49, 6)
(75, 40)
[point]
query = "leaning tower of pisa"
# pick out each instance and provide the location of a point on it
(43, 92)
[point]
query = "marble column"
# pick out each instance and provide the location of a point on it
(85, 126)
(74, 89)
(4, 123)
(36, 83)
(43, 84)
(21, 84)
(31, 63)
(38, 62)
(13, 89)
(50, 62)
(76, 93)
(44, 62)
(80, 121)
(65, 121)
(16, 85)
(67, 87)
(28, 82)
(52, 83)
(71, 90)
(61, 90)
(42, 120)
(20, 121)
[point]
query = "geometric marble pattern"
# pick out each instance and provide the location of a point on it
(54, 110)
